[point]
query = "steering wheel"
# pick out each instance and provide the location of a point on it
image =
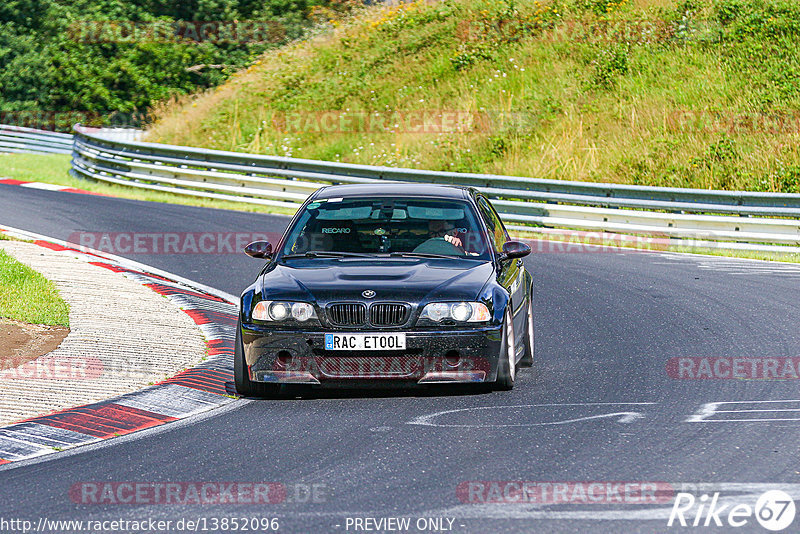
(439, 245)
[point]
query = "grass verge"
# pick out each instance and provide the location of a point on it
(27, 296)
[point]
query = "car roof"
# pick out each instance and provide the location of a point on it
(402, 189)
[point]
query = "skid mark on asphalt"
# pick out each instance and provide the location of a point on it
(618, 416)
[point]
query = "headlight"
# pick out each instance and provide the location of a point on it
(462, 312)
(268, 310)
(302, 311)
(278, 311)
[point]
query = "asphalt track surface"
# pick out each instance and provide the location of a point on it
(599, 404)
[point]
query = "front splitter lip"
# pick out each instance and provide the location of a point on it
(431, 377)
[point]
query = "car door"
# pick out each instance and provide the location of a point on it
(511, 274)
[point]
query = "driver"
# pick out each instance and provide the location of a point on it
(444, 229)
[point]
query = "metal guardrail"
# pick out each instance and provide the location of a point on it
(747, 219)
(20, 139)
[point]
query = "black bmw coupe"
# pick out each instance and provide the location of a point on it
(387, 284)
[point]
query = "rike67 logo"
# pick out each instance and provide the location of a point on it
(774, 510)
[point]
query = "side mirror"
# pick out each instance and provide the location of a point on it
(514, 249)
(259, 249)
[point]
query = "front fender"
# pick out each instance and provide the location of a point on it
(496, 298)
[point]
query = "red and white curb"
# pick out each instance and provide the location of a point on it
(201, 388)
(47, 187)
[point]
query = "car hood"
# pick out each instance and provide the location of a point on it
(400, 279)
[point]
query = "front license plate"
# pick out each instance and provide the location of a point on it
(365, 341)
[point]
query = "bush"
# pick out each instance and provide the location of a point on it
(722, 151)
(53, 61)
(760, 39)
(609, 63)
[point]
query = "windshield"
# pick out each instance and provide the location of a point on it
(378, 226)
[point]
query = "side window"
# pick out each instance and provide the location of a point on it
(493, 223)
(486, 215)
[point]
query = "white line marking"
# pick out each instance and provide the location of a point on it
(747, 420)
(774, 410)
(711, 408)
(42, 185)
(710, 258)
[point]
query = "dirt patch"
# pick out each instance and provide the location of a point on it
(22, 342)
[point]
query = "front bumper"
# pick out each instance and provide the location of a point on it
(430, 356)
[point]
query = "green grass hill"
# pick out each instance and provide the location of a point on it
(689, 93)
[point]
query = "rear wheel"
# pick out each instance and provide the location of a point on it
(527, 358)
(506, 365)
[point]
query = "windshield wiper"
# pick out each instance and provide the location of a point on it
(421, 255)
(326, 254)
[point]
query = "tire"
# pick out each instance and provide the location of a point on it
(244, 386)
(527, 357)
(506, 365)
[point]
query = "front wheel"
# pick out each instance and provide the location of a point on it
(244, 386)
(527, 358)
(507, 365)
(241, 378)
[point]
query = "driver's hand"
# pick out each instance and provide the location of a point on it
(453, 240)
